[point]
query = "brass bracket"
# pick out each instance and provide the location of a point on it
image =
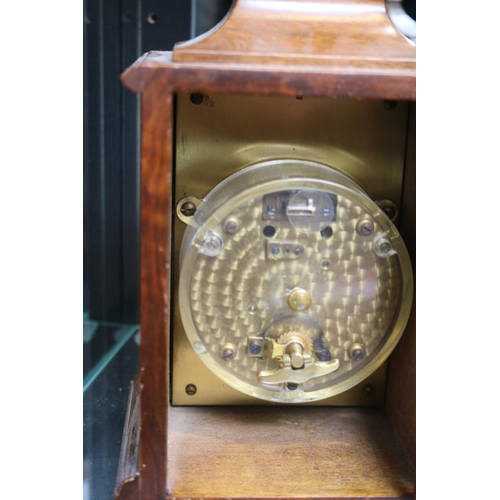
(296, 363)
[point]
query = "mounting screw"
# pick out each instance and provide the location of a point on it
(212, 244)
(389, 208)
(191, 389)
(368, 390)
(382, 246)
(364, 227)
(231, 226)
(390, 105)
(292, 387)
(227, 352)
(196, 98)
(356, 352)
(275, 251)
(254, 348)
(323, 354)
(188, 208)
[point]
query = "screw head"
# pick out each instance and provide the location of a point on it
(368, 390)
(231, 226)
(292, 387)
(227, 352)
(364, 227)
(275, 250)
(383, 247)
(188, 209)
(357, 352)
(196, 99)
(323, 355)
(389, 208)
(254, 348)
(212, 244)
(191, 389)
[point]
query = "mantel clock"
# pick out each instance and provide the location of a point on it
(277, 240)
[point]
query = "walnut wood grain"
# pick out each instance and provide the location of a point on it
(156, 208)
(270, 452)
(127, 479)
(335, 33)
(401, 387)
(223, 78)
(342, 48)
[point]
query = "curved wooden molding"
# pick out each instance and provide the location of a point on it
(334, 33)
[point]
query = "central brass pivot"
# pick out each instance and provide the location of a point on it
(299, 299)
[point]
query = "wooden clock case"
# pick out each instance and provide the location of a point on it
(339, 49)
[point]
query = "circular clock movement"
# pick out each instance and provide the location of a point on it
(294, 285)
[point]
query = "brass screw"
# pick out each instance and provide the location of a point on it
(364, 227)
(389, 208)
(191, 389)
(368, 390)
(188, 208)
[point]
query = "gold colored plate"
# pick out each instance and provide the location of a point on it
(226, 133)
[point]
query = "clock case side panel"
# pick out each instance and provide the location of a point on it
(401, 387)
(156, 209)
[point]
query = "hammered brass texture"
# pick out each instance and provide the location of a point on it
(226, 133)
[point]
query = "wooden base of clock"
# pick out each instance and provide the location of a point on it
(272, 452)
(337, 49)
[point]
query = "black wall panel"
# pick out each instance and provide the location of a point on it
(116, 33)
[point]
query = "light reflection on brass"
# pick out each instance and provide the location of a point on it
(299, 300)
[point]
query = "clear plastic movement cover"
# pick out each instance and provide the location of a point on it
(294, 284)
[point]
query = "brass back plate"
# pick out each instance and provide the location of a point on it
(226, 133)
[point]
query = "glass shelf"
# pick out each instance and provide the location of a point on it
(107, 377)
(101, 342)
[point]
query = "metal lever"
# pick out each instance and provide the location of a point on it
(296, 363)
